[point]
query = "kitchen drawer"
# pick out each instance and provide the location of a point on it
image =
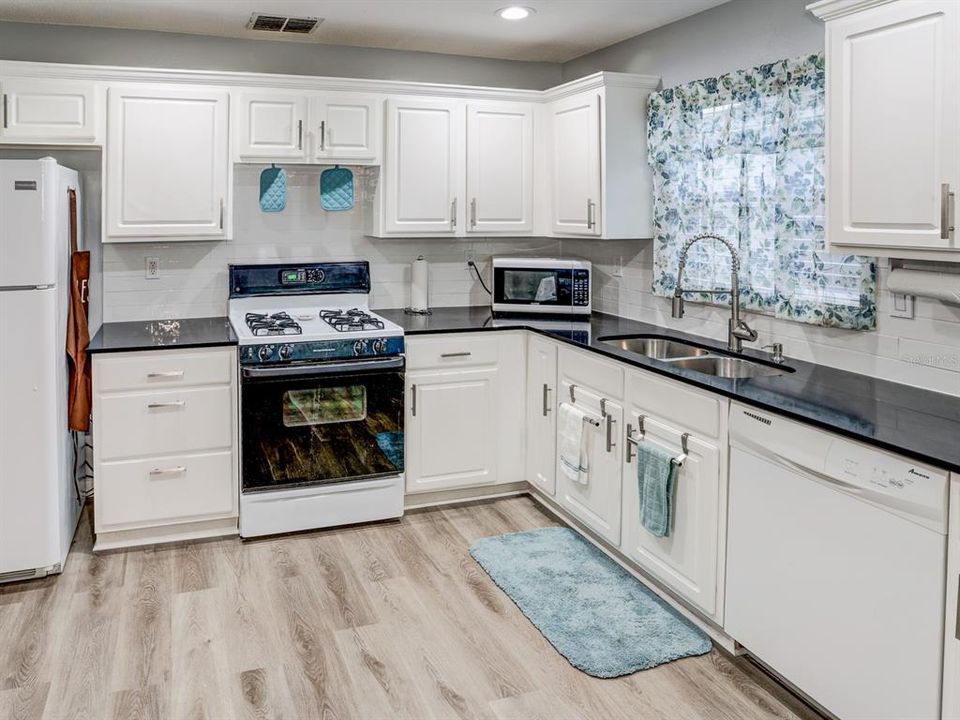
(582, 368)
(178, 488)
(697, 412)
(171, 421)
(456, 350)
(164, 368)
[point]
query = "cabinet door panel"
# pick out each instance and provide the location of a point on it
(542, 414)
(167, 163)
(597, 503)
(271, 125)
(894, 125)
(576, 165)
(48, 110)
(347, 128)
(422, 167)
(500, 168)
(450, 429)
(685, 560)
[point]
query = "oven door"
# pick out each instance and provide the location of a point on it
(321, 423)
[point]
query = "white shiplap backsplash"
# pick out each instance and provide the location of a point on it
(924, 351)
(193, 276)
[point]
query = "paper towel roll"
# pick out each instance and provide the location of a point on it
(939, 285)
(420, 285)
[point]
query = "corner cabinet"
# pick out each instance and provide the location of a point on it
(893, 126)
(38, 110)
(168, 166)
(576, 165)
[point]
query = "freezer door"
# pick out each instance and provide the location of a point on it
(33, 432)
(29, 206)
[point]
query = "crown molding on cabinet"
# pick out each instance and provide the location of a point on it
(103, 73)
(832, 9)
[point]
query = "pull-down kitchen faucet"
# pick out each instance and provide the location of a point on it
(738, 329)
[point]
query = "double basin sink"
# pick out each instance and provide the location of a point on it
(694, 357)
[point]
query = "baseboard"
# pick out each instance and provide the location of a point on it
(120, 539)
(459, 495)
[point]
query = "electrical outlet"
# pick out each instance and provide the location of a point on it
(902, 306)
(152, 271)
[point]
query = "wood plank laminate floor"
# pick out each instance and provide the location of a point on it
(392, 620)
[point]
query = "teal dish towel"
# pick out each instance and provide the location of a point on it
(657, 477)
(273, 189)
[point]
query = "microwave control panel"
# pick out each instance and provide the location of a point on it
(581, 287)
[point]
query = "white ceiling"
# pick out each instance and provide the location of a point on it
(560, 30)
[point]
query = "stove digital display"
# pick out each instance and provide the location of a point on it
(293, 277)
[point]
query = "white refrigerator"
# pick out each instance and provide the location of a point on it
(39, 503)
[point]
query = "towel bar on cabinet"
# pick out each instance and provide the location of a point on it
(635, 441)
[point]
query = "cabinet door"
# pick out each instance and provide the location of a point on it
(48, 110)
(500, 168)
(893, 84)
(576, 165)
(347, 127)
(685, 560)
(541, 413)
(271, 125)
(422, 167)
(167, 163)
(597, 503)
(450, 436)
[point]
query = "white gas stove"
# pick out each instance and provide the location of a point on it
(322, 388)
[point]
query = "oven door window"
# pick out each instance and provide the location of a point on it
(322, 429)
(532, 286)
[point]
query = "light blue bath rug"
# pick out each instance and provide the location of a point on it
(273, 189)
(595, 613)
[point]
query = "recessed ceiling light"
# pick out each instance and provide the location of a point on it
(515, 12)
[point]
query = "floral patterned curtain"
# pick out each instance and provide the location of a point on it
(742, 156)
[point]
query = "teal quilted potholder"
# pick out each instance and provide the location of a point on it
(273, 189)
(336, 188)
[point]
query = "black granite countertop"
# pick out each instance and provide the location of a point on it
(162, 335)
(917, 423)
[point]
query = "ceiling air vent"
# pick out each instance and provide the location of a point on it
(278, 23)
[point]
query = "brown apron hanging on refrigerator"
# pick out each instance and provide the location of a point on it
(78, 332)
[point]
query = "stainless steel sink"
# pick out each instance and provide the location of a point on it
(728, 367)
(657, 347)
(692, 357)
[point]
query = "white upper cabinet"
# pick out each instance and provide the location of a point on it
(167, 164)
(893, 126)
(423, 169)
(500, 168)
(271, 126)
(43, 110)
(576, 165)
(346, 127)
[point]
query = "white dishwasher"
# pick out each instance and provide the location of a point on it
(836, 559)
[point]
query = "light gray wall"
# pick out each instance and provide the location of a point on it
(140, 48)
(739, 34)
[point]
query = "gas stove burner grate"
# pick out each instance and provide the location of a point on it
(351, 320)
(280, 323)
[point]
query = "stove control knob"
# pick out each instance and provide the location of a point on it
(285, 352)
(359, 347)
(379, 345)
(264, 353)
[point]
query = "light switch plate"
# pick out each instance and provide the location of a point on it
(902, 306)
(152, 269)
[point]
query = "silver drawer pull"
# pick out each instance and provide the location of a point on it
(170, 374)
(945, 197)
(172, 403)
(456, 354)
(169, 471)
(546, 399)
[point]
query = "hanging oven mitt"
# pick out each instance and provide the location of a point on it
(79, 390)
(273, 189)
(336, 188)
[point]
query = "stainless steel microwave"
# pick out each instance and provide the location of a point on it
(541, 285)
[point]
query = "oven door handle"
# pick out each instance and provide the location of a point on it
(329, 368)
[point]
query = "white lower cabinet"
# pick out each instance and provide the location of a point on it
(165, 445)
(464, 408)
(542, 413)
(951, 648)
(688, 559)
